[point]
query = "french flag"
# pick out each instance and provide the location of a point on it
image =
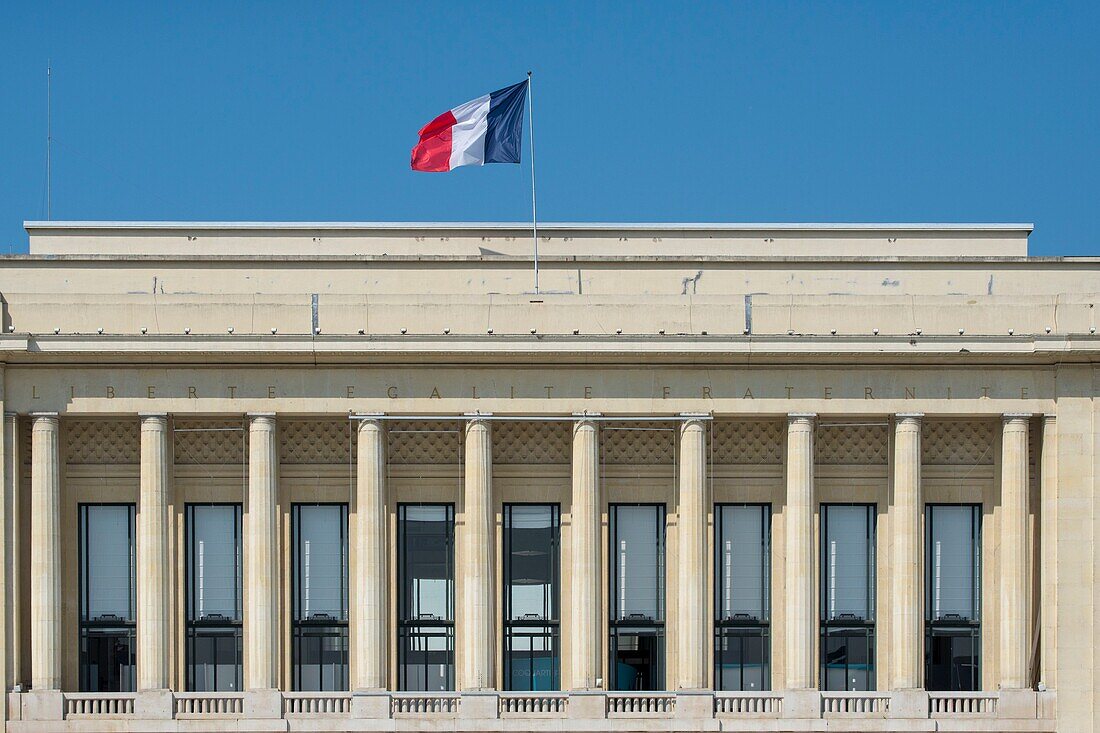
(488, 129)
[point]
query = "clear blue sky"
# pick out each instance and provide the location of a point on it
(875, 111)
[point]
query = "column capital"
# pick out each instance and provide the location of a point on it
(369, 421)
(261, 421)
(801, 415)
(476, 415)
(43, 415)
(1016, 416)
(10, 414)
(586, 415)
(908, 415)
(1050, 417)
(148, 418)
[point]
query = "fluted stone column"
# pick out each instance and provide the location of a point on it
(585, 629)
(261, 621)
(370, 580)
(694, 606)
(13, 609)
(1015, 629)
(1048, 544)
(45, 553)
(477, 652)
(800, 604)
(906, 581)
(153, 627)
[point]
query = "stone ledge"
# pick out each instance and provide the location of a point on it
(581, 712)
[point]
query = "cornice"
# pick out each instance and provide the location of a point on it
(615, 350)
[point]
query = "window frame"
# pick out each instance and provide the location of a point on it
(848, 627)
(960, 627)
(304, 629)
(195, 628)
(408, 629)
(86, 627)
(550, 626)
(640, 627)
(728, 628)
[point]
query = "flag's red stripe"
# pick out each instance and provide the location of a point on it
(433, 152)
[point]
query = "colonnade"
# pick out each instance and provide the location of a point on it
(371, 583)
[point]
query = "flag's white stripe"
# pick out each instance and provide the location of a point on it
(468, 134)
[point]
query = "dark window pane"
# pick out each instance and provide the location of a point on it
(953, 556)
(321, 562)
(532, 540)
(638, 554)
(426, 658)
(215, 557)
(637, 597)
(743, 562)
(742, 659)
(428, 553)
(742, 565)
(425, 633)
(532, 659)
(953, 593)
(847, 562)
(214, 649)
(108, 562)
(108, 660)
(106, 558)
(638, 659)
(531, 645)
(847, 597)
(320, 627)
(847, 658)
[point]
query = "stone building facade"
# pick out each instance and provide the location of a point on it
(710, 477)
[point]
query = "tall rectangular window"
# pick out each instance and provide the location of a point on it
(320, 614)
(213, 597)
(953, 624)
(532, 656)
(742, 564)
(847, 596)
(425, 606)
(107, 618)
(637, 596)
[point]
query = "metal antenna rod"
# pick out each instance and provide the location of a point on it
(534, 216)
(49, 144)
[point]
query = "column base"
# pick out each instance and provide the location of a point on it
(265, 704)
(371, 704)
(802, 704)
(694, 704)
(908, 704)
(43, 705)
(154, 705)
(1017, 704)
(480, 705)
(587, 705)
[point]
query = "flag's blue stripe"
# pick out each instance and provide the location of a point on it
(504, 135)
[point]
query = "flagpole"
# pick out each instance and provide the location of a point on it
(534, 215)
(49, 144)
